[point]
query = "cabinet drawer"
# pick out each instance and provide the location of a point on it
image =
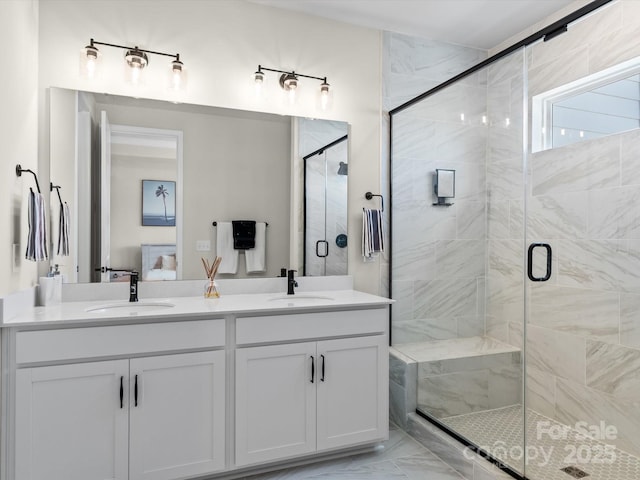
(302, 326)
(91, 342)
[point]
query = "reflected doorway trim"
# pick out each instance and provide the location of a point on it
(177, 136)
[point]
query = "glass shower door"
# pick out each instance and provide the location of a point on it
(458, 264)
(583, 287)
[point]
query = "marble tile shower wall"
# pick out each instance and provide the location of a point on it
(583, 335)
(438, 262)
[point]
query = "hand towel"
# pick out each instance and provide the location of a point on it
(244, 234)
(256, 257)
(37, 236)
(372, 233)
(229, 263)
(63, 230)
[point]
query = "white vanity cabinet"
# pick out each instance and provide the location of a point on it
(299, 398)
(275, 403)
(194, 395)
(352, 396)
(177, 424)
(69, 422)
(155, 417)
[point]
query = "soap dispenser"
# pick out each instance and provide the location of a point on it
(50, 288)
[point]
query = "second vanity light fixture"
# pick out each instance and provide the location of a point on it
(136, 59)
(289, 82)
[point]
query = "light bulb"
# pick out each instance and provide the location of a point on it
(292, 92)
(137, 60)
(258, 81)
(289, 83)
(91, 66)
(135, 75)
(324, 94)
(176, 73)
(176, 78)
(89, 61)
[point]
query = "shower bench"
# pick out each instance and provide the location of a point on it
(453, 377)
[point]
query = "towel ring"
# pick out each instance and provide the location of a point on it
(370, 196)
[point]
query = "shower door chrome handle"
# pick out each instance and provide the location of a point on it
(547, 275)
(326, 248)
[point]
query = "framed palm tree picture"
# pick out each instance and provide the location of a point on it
(158, 203)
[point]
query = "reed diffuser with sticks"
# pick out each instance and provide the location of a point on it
(210, 290)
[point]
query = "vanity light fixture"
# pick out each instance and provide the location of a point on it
(136, 59)
(290, 83)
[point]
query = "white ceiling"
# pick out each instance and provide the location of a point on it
(475, 23)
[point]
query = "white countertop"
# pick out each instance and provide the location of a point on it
(187, 308)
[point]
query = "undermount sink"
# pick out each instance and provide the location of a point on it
(298, 299)
(130, 308)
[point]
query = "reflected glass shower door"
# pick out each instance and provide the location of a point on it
(325, 251)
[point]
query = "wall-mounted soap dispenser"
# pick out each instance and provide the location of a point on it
(444, 186)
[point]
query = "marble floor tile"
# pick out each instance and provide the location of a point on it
(378, 464)
(426, 466)
(377, 471)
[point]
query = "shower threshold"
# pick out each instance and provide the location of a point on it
(554, 451)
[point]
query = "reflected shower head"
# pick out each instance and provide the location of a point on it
(343, 169)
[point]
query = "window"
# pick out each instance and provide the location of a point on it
(601, 104)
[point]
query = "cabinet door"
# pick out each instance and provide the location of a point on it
(70, 422)
(275, 402)
(178, 417)
(353, 392)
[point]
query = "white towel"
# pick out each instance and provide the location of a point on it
(37, 237)
(372, 233)
(256, 257)
(229, 263)
(63, 231)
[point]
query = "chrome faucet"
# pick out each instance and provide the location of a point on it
(133, 286)
(291, 282)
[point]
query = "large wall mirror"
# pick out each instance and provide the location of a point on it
(146, 180)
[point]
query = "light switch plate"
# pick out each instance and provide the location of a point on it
(203, 245)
